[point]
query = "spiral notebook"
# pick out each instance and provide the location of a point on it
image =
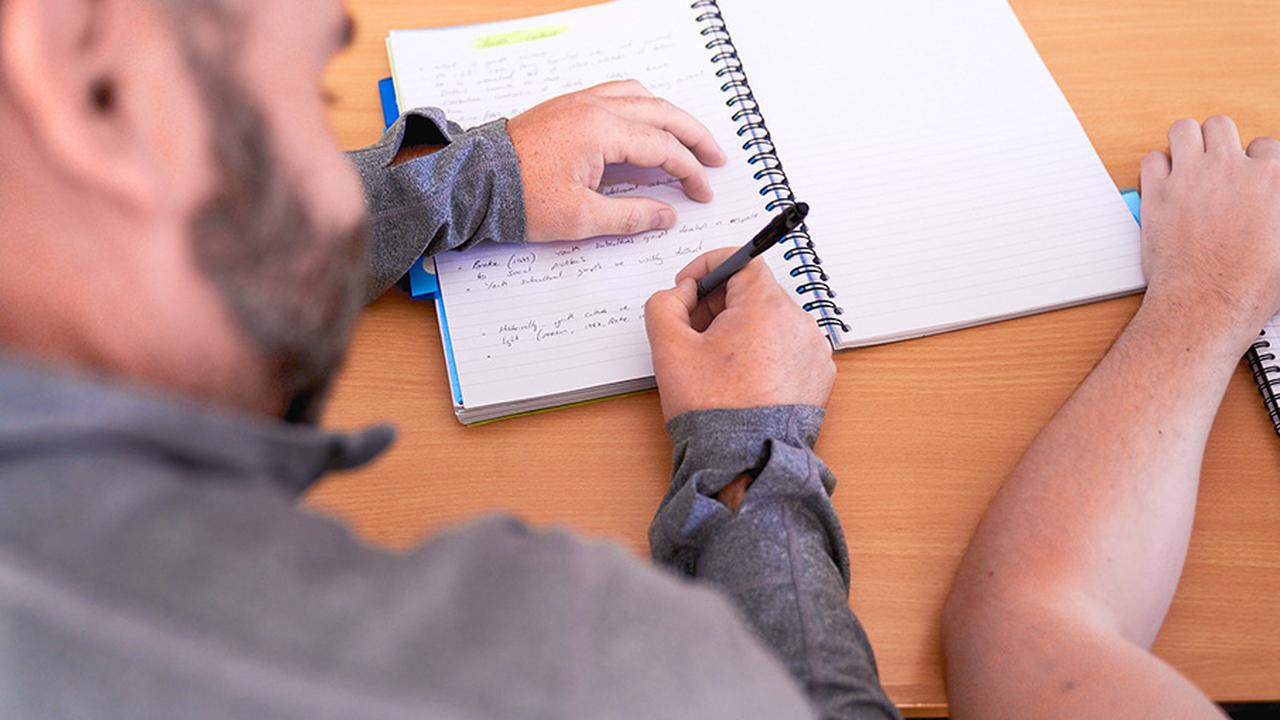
(951, 184)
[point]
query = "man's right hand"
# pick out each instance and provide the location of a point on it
(565, 144)
(749, 345)
(1211, 228)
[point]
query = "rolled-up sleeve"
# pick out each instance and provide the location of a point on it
(782, 558)
(466, 192)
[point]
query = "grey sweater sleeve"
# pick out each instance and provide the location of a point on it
(782, 558)
(468, 191)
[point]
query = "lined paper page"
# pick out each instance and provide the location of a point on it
(540, 320)
(950, 180)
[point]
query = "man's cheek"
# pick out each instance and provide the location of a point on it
(334, 192)
(356, 204)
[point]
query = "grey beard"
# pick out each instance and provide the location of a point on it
(293, 291)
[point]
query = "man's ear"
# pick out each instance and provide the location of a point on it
(79, 74)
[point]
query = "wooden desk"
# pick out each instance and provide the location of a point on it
(920, 433)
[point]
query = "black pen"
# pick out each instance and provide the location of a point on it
(788, 222)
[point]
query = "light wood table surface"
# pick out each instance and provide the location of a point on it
(920, 433)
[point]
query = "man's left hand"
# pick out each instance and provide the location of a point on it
(565, 144)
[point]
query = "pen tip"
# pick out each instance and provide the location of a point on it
(803, 209)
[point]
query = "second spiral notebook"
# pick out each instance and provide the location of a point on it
(950, 181)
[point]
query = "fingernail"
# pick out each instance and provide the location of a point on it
(665, 220)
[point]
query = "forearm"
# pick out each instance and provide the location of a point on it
(781, 556)
(1085, 543)
(467, 191)
(1102, 503)
(1070, 575)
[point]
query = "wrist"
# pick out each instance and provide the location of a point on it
(794, 424)
(1210, 327)
(735, 493)
(726, 445)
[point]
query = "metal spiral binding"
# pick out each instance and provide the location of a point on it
(1261, 359)
(769, 170)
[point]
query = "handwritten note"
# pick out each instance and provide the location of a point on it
(435, 68)
(536, 321)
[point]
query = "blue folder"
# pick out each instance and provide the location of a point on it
(1134, 201)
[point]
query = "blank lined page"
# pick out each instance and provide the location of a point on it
(543, 320)
(950, 180)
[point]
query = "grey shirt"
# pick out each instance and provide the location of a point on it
(154, 562)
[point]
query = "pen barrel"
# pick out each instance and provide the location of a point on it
(771, 234)
(722, 274)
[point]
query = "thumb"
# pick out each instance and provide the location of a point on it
(668, 314)
(626, 215)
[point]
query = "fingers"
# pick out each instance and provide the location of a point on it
(668, 314)
(756, 282)
(660, 134)
(622, 215)
(1156, 167)
(661, 114)
(1186, 141)
(709, 309)
(1222, 136)
(1265, 148)
(620, 88)
(742, 286)
(749, 284)
(649, 147)
(714, 304)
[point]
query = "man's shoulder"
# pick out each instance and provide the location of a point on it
(490, 617)
(660, 644)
